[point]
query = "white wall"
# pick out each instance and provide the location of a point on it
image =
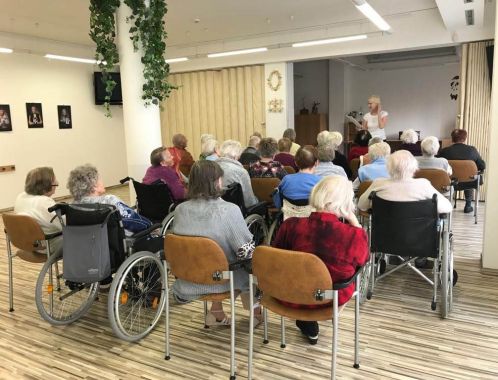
(311, 82)
(94, 138)
(417, 98)
(337, 96)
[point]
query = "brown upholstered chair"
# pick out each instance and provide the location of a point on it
(467, 177)
(264, 187)
(354, 165)
(300, 278)
(289, 169)
(438, 178)
(201, 261)
(24, 233)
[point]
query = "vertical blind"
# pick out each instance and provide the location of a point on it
(475, 98)
(227, 103)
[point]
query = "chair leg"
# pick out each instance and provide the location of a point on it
(11, 275)
(232, 329)
(373, 269)
(476, 201)
(435, 280)
(265, 326)
(205, 314)
(166, 311)
(282, 332)
(251, 327)
(357, 326)
(335, 332)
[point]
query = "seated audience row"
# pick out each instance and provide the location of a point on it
(267, 166)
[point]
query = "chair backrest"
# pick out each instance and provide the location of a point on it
(363, 187)
(94, 213)
(194, 259)
(153, 201)
(233, 194)
(296, 208)
(464, 170)
(355, 165)
(290, 276)
(289, 169)
(438, 178)
(264, 187)
(24, 232)
(405, 228)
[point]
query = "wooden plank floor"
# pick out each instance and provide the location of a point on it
(401, 338)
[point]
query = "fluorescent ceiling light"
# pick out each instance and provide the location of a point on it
(6, 50)
(71, 59)
(173, 60)
(330, 41)
(372, 15)
(237, 52)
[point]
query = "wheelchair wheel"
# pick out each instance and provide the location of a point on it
(61, 302)
(257, 225)
(272, 232)
(167, 223)
(137, 296)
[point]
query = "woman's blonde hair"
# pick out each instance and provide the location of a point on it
(333, 194)
(374, 99)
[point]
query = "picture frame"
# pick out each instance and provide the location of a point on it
(5, 118)
(34, 115)
(64, 117)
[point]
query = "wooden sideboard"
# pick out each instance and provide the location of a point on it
(308, 126)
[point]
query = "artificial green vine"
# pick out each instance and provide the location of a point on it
(147, 32)
(103, 33)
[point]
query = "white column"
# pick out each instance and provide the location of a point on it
(278, 122)
(490, 252)
(142, 124)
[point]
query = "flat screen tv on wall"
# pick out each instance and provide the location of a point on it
(99, 86)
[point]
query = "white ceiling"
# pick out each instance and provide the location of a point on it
(68, 20)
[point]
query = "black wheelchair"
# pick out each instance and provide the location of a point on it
(94, 248)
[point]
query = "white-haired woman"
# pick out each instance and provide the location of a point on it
(341, 246)
(401, 186)
(326, 154)
(234, 172)
(430, 147)
(377, 154)
(410, 139)
(210, 149)
(205, 137)
(335, 138)
(375, 121)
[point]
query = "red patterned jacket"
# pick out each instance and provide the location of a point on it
(340, 246)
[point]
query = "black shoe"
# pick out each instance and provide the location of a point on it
(455, 277)
(310, 330)
(468, 208)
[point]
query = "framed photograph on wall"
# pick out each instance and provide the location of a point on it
(35, 115)
(5, 119)
(64, 117)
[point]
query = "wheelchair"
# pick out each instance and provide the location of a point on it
(154, 201)
(408, 231)
(255, 216)
(67, 286)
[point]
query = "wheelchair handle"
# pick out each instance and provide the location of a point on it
(124, 180)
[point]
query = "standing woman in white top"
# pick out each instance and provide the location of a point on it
(375, 121)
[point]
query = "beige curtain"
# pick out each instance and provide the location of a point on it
(475, 98)
(227, 103)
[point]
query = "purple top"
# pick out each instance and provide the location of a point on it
(286, 159)
(169, 177)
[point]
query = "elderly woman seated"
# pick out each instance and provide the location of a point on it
(234, 172)
(210, 149)
(342, 246)
(297, 187)
(267, 167)
(326, 153)
(410, 139)
(335, 138)
(206, 214)
(162, 169)
(284, 157)
(377, 154)
(401, 186)
(430, 147)
(205, 137)
(86, 186)
(35, 200)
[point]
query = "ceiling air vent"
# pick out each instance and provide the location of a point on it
(469, 16)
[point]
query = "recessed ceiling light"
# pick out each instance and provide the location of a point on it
(372, 15)
(71, 59)
(330, 41)
(6, 50)
(173, 60)
(237, 52)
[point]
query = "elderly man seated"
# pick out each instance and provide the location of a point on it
(401, 186)
(234, 172)
(430, 147)
(377, 154)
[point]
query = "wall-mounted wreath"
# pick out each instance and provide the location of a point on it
(274, 80)
(147, 31)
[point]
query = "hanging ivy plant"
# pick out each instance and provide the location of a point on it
(103, 33)
(147, 32)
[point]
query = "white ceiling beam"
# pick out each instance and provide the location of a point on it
(453, 13)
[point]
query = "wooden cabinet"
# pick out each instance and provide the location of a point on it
(308, 126)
